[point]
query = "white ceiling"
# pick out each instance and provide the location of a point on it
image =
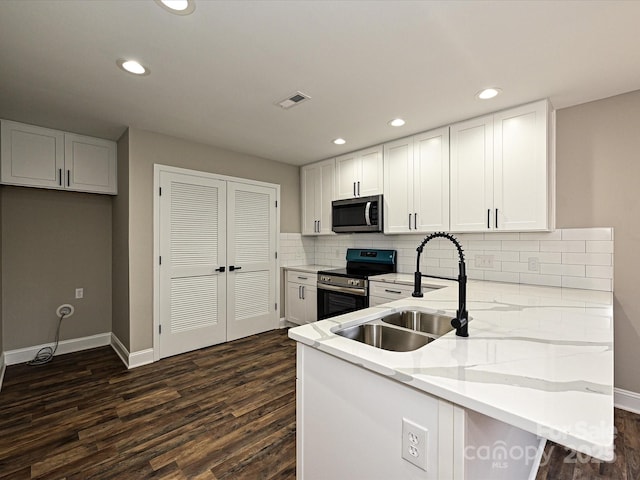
(216, 74)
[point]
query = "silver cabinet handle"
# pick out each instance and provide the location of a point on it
(318, 226)
(302, 292)
(367, 218)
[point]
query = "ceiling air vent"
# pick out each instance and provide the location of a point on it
(295, 99)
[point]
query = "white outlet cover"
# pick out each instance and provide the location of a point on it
(415, 443)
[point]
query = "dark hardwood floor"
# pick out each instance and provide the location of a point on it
(224, 412)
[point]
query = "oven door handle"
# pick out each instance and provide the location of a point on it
(354, 291)
(367, 216)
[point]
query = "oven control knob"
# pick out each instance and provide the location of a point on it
(324, 278)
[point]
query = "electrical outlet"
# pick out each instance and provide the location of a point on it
(484, 261)
(79, 292)
(534, 264)
(414, 443)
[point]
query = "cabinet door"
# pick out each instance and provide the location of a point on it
(310, 180)
(296, 308)
(398, 186)
(471, 163)
(325, 195)
(431, 180)
(310, 299)
(90, 164)
(520, 168)
(346, 173)
(369, 179)
(32, 156)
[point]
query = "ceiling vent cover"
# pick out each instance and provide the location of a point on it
(295, 99)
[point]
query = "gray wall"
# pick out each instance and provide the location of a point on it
(598, 170)
(53, 242)
(120, 240)
(147, 149)
(1, 291)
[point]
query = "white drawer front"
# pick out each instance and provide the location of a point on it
(391, 291)
(304, 278)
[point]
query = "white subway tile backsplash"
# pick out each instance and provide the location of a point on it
(587, 258)
(597, 271)
(566, 257)
(501, 236)
(598, 246)
(587, 234)
(560, 269)
(521, 245)
(543, 257)
(575, 246)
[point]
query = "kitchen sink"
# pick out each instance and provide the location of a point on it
(430, 323)
(385, 337)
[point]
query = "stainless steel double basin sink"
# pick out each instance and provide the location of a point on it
(402, 331)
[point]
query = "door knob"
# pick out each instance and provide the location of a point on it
(232, 268)
(221, 269)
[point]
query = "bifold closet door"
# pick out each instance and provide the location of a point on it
(251, 256)
(192, 251)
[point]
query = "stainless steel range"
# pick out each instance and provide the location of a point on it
(345, 290)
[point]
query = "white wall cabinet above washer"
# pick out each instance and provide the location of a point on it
(41, 157)
(359, 174)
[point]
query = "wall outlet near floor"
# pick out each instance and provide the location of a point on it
(79, 292)
(484, 261)
(414, 443)
(534, 264)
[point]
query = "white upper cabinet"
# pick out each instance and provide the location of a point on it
(32, 156)
(90, 164)
(416, 183)
(359, 174)
(40, 157)
(318, 182)
(500, 174)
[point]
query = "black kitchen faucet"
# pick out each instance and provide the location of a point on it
(461, 321)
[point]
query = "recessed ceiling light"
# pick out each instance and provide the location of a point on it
(132, 66)
(488, 93)
(339, 141)
(397, 122)
(179, 7)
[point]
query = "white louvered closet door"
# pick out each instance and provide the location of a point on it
(251, 252)
(192, 249)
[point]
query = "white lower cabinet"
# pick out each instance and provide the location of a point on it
(41, 157)
(301, 297)
(350, 425)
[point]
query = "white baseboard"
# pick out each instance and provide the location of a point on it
(22, 355)
(131, 360)
(3, 367)
(626, 400)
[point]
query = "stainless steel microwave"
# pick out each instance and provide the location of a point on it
(362, 214)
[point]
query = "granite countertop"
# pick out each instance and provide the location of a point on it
(538, 358)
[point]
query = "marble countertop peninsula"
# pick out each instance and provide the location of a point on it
(538, 358)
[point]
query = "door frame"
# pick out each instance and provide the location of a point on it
(157, 169)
